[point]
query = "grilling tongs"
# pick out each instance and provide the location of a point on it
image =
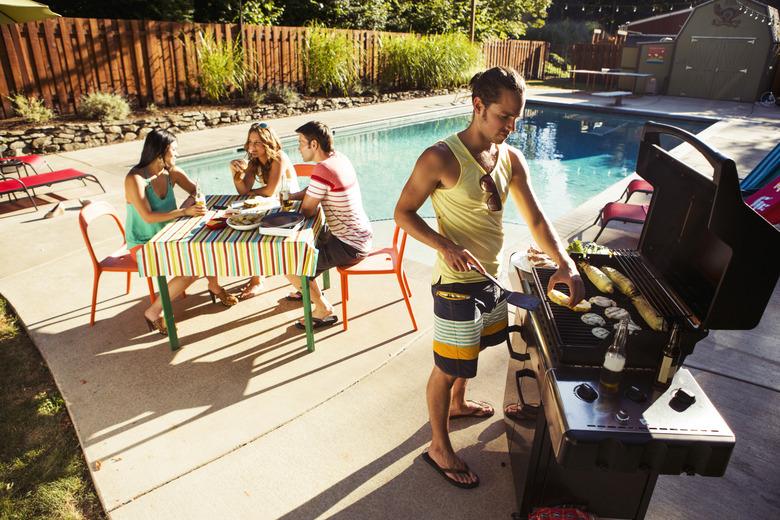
(524, 301)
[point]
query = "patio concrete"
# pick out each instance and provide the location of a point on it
(244, 423)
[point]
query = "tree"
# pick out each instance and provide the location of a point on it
(257, 12)
(343, 14)
(178, 10)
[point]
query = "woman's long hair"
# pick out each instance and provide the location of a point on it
(273, 150)
(155, 145)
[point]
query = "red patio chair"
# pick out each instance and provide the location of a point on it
(120, 261)
(388, 260)
(637, 186)
(633, 213)
(9, 185)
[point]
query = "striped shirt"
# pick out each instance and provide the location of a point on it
(334, 183)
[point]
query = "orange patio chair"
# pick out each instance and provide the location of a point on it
(633, 213)
(120, 261)
(382, 261)
(303, 169)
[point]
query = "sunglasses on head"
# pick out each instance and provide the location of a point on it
(259, 125)
(494, 199)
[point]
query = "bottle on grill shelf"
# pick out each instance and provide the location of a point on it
(669, 362)
(615, 359)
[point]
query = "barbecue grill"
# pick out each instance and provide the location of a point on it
(705, 261)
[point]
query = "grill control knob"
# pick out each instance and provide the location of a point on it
(636, 395)
(622, 416)
(586, 392)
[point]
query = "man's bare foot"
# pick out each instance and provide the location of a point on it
(461, 475)
(469, 408)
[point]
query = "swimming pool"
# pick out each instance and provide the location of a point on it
(573, 155)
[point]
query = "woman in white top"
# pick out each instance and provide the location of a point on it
(266, 163)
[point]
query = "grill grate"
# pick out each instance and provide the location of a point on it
(573, 341)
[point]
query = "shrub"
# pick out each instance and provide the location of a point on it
(104, 106)
(284, 95)
(555, 67)
(331, 62)
(429, 62)
(221, 67)
(31, 109)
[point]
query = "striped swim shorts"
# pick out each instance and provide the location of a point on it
(467, 317)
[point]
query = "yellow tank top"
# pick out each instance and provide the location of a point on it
(463, 215)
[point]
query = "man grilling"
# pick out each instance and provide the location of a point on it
(468, 176)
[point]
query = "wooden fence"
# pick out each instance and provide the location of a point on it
(61, 59)
(595, 56)
(526, 56)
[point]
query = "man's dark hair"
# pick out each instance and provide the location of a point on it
(316, 131)
(487, 85)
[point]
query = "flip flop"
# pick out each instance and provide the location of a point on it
(477, 412)
(319, 323)
(443, 472)
(294, 297)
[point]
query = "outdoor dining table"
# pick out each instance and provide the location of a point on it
(188, 247)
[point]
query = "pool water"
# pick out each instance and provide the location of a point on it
(572, 154)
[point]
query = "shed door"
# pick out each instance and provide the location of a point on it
(712, 67)
(733, 78)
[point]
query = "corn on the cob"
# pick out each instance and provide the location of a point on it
(648, 313)
(558, 297)
(597, 276)
(625, 285)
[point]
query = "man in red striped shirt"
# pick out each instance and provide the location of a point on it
(334, 186)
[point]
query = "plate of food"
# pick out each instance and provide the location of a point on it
(245, 222)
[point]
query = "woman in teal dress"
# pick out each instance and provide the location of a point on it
(151, 205)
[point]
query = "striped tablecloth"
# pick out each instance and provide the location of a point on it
(187, 247)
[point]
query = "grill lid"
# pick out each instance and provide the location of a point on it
(716, 253)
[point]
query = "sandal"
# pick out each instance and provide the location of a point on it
(226, 299)
(483, 411)
(443, 472)
(294, 296)
(157, 325)
(251, 290)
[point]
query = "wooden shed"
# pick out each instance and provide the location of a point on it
(726, 50)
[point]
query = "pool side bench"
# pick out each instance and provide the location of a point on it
(618, 95)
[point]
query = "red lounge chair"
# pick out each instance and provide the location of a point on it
(633, 213)
(388, 260)
(637, 186)
(766, 202)
(36, 163)
(9, 186)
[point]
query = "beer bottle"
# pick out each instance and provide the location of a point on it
(670, 359)
(615, 359)
(284, 193)
(200, 198)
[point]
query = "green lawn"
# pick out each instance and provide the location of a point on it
(42, 471)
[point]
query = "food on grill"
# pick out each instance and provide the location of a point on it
(597, 276)
(625, 285)
(602, 301)
(559, 298)
(540, 259)
(600, 332)
(649, 314)
(592, 319)
(616, 313)
(632, 327)
(587, 248)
